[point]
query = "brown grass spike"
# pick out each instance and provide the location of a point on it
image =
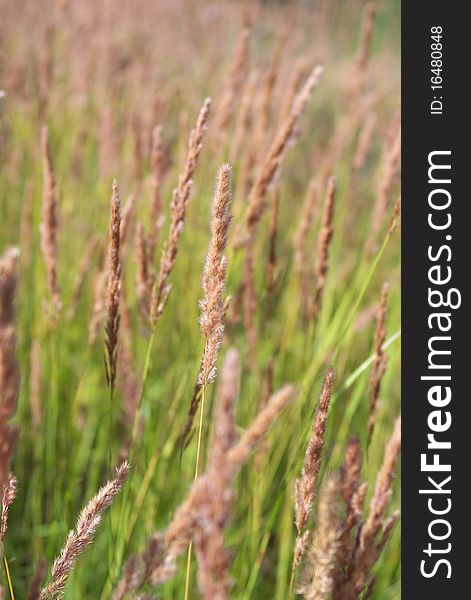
(9, 495)
(276, 151)
(212, 305)
(214, 277)
(49, 220)
(178, 206)
(323, 244)
(317, 581)
(380, 360)
(113, 289)
(80, 537)
(9, 370)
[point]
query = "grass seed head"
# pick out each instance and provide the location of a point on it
(113, 289)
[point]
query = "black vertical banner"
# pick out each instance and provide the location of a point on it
(436, 259)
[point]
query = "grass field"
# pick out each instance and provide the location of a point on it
(102, 77)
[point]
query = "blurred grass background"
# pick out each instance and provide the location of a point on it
(75, 65)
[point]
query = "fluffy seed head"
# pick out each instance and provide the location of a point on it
(214, 277)
(305, 486)
(9, 371)
(323, 245)
(9, 495)
(380, 360)
(317, 579)
(113, 289)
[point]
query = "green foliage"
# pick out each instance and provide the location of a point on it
(62, 462)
